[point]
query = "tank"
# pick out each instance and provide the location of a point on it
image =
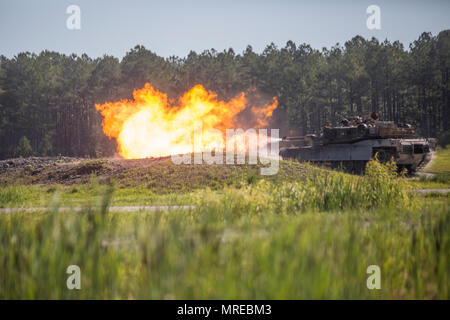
(351, 145)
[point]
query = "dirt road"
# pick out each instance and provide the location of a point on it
(426, 191)
(111, 209)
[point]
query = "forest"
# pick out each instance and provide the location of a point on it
(47, 99)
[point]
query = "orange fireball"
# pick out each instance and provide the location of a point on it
(151, 125)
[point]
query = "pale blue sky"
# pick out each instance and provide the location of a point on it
(176, 27)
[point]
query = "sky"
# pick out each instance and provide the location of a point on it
(170, 28)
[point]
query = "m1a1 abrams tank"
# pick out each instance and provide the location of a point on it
(359, 139)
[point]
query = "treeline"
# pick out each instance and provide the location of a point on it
(47, 100)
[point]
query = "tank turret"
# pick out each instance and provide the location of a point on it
(367, 127)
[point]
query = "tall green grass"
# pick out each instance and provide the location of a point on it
(31, 196)
(381, 187)
(311, 239)
(15, 195)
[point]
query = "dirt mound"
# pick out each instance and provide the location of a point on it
(158, 174)
(46, 169)
(34, 164)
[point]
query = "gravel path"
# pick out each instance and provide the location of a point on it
(112, 209)
(425, 191)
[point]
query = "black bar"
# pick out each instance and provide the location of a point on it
(229, 309)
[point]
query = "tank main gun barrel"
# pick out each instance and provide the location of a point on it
(297, 138)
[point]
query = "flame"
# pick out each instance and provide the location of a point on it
(151, 125)
(264, 113)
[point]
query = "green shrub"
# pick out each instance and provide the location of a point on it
(444, 139)
(23, 149)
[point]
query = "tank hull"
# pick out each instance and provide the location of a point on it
(410, 154)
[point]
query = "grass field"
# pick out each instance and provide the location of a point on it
(441, 163)
(436, 174)
(311, 236)
(159, 183)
